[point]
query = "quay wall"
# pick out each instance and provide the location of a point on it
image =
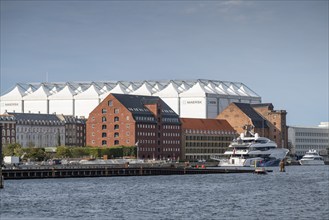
(103, 171)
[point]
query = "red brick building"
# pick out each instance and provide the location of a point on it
(205, 138)
(260, 117)
(144, 121)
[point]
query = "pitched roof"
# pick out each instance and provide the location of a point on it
(257, 120)
(206, 124)
(35, 117)
(268, 105)
(136, 105)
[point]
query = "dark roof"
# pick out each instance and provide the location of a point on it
(268, 105)
(74, 120)
(21, 117)
(257, 120)
(136, 105)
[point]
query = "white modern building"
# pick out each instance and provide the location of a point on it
(303, 139)
(188, 98)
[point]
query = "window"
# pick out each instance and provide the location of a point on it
(104, 142)
(116, 119)
(110, 103)
(116, 142)
(104, 110)
(127, 118)
(103, 134)
(116, 134)
(116, 127)
(104, 127)
(103, 119)
(116, 111)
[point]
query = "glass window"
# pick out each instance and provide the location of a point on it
(116, 127)
(116, 119)
(116, 111)
(104, 110)
(104, 142)
(110, 103)
(104, 134)
(104, 127)
(103, 119)
(116, 134)
(116, 142)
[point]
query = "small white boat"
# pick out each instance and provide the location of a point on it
(311, 158)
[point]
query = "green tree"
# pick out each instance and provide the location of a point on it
(63, 152)
(36, 153)
(13, 150)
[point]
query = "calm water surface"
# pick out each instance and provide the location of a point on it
(300, 193)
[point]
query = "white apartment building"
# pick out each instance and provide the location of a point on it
(302, 139)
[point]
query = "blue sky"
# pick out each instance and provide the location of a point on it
(277, 48)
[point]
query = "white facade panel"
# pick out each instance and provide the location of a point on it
(36, 106)
(212, 108)
(173, 103)
(84, 107)
(64, 107)
(193, 108)
(223, 103)
(11, 106)
(174, 92)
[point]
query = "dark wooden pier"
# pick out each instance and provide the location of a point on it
(105, 171)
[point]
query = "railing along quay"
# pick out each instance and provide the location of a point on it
(107, 171)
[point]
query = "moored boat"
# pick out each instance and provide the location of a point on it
(311, 157)
(253, 151)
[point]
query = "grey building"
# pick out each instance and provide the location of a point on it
(39, 130)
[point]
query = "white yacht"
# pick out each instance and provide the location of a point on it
(311, 158)
(253, 151)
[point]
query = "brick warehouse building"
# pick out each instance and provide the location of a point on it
(128, 120)
(205, 138)
(264, 120)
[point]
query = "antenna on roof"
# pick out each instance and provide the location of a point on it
(46, 76)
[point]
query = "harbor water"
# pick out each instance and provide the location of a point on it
(301, 192)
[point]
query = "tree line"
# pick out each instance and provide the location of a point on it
(40, 154)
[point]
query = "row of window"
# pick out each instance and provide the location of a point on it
(307, 147)
(171, 149)
(8, 133)
(191, 131)
(146, 126)
(38, 129)
(8, 140)
(115, 111)
(203, 144)
(171, 120)
(147, 141)
(312, 140)
(148, 134)
(309, 134)
(171, 142)
(144, 118)
(171, 134)
(203, 151)
(104, 142)
(171, 127)
(208, 138)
